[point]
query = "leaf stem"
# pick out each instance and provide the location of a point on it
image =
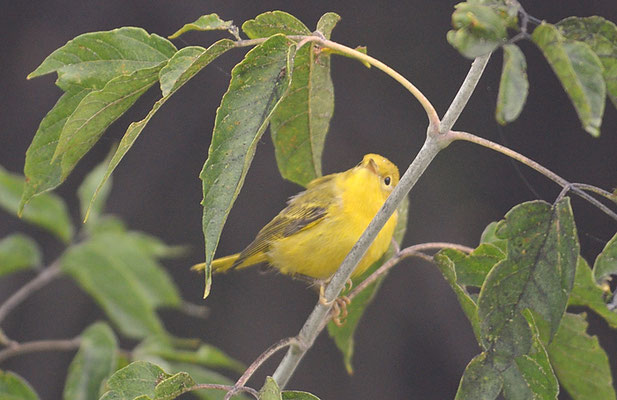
(39, 345)
(43, 278)
(281, 344)
(574, 187)
(215, 386)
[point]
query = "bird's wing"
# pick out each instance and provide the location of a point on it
(303, 211)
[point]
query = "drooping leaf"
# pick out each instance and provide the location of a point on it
(480, 381)
(448, 269)
(580, 72)
(580, 362)
(93, 59)
(588, 294)
(14, 387)
(136, 379)
(471, 269)
(513, 85)
(126, 283)
(601, 35)
(208, 22)
(47, 211)
(185, 64)
(343, 336)
(257, 85)
(94, 363)
(193, 352)
(174, 386)
(274, 22)
(92, 211)
(42, 174)
(478, 29)
(606, 262)
(270, 390)
(97, 111)
(18, 252)
(538, 273)
(301, 121)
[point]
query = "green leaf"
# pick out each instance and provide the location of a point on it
(489, 236)
(208, 22)
(343, 336)
(191, 352)
(203, 375)
(471, 269)
(587, 293)
(606, 262)
(479, 29)
(295, 395)
(14, 387)
(91, 211)
(447, 267)
(274, 22)
(270, 390)
(534, 369)
(257, 85)
(42, 174)
(126, 282)
(580, 363)
(173, 386)
(327, 22)
(93, 59)
(580, 72)
(97, 111)
(538, 273)
(180, 69)
(18, 252)
(601, 35)
(94, 363)
(137, 379)
(47, 211)
(300, 122)
(155, 247)
(480, 381)
(513, 85)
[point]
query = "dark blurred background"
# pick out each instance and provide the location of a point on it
(414, 342)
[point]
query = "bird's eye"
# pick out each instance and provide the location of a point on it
(387, 180)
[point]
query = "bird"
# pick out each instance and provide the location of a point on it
(311, 236)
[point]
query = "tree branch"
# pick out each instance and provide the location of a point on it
(576, 188)
(42, 279)
(39, 345)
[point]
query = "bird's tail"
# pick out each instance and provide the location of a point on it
(224, 264)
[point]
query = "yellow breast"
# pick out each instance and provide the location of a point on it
(317, 252)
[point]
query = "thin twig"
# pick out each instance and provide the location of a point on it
(39, 345)
(43, 278)
(464, 93)
(411, 251)
(281, 344)
(594, 189)
(431, 113)
(457, 135)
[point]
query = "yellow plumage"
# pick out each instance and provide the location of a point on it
(314, 233)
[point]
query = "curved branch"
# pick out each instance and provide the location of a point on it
(39, 345)
(576, 188)
(42, 279)
(239, 385)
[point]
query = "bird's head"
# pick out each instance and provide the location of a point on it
(383, 168)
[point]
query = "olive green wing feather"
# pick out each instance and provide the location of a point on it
(303, 210)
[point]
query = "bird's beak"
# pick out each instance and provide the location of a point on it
(371, 165)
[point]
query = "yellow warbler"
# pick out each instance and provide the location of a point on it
(314, 233)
